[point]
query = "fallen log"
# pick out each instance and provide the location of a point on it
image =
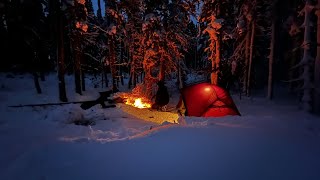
(44, 104)
(92, 103)
(84, 104)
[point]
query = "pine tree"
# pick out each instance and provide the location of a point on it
(164, 38)
(133, 26)
(59, 30)
(78, 18)
(217, 18)
(114, 30)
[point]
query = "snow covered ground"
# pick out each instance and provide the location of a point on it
(271, 140)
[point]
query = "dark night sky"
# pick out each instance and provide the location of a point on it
(95, 6)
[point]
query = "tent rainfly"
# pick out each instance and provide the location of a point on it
(207, 100)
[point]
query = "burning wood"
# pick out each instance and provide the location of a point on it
(138, 102)
(139, 106)
(134, 100)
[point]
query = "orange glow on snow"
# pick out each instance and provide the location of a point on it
(138, 103)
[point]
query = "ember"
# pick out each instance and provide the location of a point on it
(138, 102)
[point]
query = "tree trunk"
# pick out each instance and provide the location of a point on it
(195, 62)
(293, 60)
(121, 60)
(35, 67)
(42, 69)
(317, 66)
(83, 81)
(271, 60)
(130, 81)
(141, 76)
(306, 75)
(99, 14)
(42, 75)
(162, 71)
(122, 80)
(247, 51)
(134, 77)
(215, 65)
(61, 65)
(77, 64)
(250, 58)
(112, 62)
(132, 74)
(180, 83)
(36, 82)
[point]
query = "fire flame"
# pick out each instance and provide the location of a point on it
(138, 103)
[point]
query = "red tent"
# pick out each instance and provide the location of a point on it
(207, 100)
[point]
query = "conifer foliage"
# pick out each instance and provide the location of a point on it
(242, 45)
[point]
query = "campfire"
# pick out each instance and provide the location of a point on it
(137, 105)
(138, 102)
(135, 98)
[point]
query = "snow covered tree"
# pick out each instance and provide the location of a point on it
(134, 11)
(209, 15)
(213, 30)
(247, 25)
(114, 29)
(307, 58)
(253, 21)
(164, 38)
(218, 22)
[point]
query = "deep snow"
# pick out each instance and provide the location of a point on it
(271, 140)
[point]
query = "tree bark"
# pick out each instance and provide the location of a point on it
(35, 68)
(121, 60)
(132, 73)
(112, 61)
(247, 51)
(61, 65)
(83, 81)
(162, 71)
(130, 81)
(180, 81)
(317, 66)
(36, 82)
(271, 58)
(134, 78)
(77, 64)
(42, 76)
(250, 58)
(306, 98)
(215, 65)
